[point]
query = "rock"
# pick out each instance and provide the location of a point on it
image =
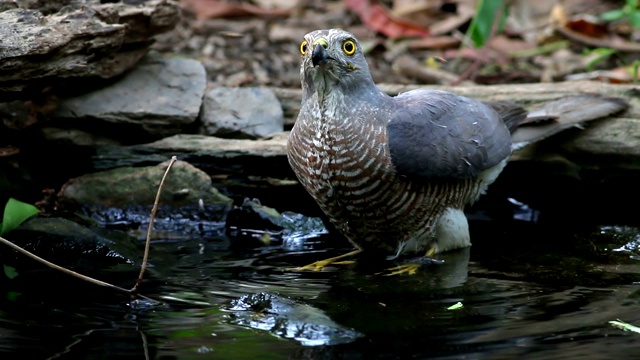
(289, 319)
(75, 39)
(265, 157)
(160, 95)
(75, 137)
(250, 112)
(253, 224)
(121, 187)
(70, 244)
(609, 143)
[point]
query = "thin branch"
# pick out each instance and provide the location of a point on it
(152, 218)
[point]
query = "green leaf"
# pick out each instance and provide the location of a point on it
(597, 56)
(13, 295)
(634, 19)
(15, 213)
(612, 15)
(10, 271)
(625, 326)
(480, 28)
(456, 306)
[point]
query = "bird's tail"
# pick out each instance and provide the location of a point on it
(564, 113)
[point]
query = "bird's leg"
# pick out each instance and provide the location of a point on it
(319, 265)
(411, 268)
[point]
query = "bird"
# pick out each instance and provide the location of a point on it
(394, 174)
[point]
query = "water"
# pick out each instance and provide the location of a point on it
(528, 290)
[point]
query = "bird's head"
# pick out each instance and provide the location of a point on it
(333, 60)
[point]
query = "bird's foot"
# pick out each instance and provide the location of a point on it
(321, 264)
(409, 269)
(412, 266)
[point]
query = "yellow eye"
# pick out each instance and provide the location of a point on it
(303, 47)
(349, 47)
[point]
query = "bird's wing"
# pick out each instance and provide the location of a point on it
(436, 134)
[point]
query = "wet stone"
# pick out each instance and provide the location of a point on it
(71, 245)
(290, 319)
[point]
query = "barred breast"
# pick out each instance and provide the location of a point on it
(347, 169)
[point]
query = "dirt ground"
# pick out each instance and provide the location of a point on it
(256, 43)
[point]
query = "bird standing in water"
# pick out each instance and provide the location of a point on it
(394, 174)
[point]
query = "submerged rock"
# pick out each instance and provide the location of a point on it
(72, 245)
(289, 319)
(255, 224)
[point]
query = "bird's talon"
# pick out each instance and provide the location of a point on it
(345, 262)
(409, 269)
(319, 265)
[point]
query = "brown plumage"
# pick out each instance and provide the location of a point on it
(394, 174)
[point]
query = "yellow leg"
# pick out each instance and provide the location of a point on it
(319, 265)
(410, 268)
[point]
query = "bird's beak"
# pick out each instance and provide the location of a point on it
(319, 56)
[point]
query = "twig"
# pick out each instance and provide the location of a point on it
(152, 218)
(407, 66)
(596, 42)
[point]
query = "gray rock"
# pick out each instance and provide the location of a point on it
(47, 42)
(122, 187)
(617, 140)
(251, 112)
(159, 95)
(264, 157)
(75, 137)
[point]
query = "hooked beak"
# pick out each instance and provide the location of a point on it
(320, 56)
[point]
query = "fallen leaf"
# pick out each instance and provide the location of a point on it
(587, 26)
(377, 17)
(463, 15)
(625, 326)
(210, 9)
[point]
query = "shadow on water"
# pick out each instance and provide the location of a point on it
(528, 290)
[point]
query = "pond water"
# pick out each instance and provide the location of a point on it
(528, 289)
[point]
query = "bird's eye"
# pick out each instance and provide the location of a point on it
(349, 47)
(303, 47)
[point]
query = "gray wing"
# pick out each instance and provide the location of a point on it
(437, 134)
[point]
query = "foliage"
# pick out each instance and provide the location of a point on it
(480, 28)
(15, 213)
(599, 55)
(625, 326)
(630, 10)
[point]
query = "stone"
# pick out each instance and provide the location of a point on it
(264, 157)
(185, 185)
(245, 112)
(46, 43)
(70, 244)
(159, 95)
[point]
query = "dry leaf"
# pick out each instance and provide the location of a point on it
(377, 17)
(210, 9)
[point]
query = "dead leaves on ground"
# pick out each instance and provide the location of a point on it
(539, 33)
